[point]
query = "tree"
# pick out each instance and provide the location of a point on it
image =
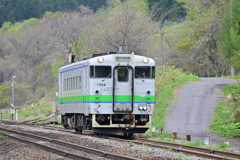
(126, 24)
(230, 35)
(196, 42)
(66, 31)
(12, 11)
(164, 6)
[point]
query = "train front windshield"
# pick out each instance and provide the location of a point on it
(100, 72)
(145, 72)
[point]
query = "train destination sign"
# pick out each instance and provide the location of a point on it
(123, 59)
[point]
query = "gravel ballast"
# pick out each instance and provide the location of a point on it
(11, 150)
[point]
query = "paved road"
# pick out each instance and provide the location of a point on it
(192, 113)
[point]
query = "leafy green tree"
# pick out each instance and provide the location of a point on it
(196, 45)
(230, 35)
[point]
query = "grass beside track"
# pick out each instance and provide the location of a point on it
(168, 79)
(227, 115)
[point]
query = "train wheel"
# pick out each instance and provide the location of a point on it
(130, 135)
(66, 126)
(88, 127)
(125, 135)
(78, 130)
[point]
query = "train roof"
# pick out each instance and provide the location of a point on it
(93, 58)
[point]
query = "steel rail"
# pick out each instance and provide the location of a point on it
(200, 149)
(70, 145)
(186, 149)
(49, 148)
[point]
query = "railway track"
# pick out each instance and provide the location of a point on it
(188, 150)
(32, 121)
(53, 146)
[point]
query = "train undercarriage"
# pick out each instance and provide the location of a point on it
(107, 123)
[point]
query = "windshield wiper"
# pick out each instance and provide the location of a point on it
(107, 77)
(140, 77)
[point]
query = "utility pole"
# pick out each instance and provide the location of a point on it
(232, 69)
(13, 95)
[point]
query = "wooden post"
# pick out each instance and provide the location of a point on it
(161, 130)
(174, 135)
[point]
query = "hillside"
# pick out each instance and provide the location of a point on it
(17, 11)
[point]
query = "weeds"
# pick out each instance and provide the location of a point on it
(3, 137)
(223, 146)
(158, 134)
(227, 115)
(180, 155)
(126, 147)
(169, 149)
(144, 145)
(196, 144)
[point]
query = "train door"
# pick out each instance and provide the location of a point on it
(123, 89)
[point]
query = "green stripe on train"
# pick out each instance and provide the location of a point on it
(105, 98)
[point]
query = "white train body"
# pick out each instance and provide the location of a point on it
(108, 93)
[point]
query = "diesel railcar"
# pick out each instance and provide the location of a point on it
(108, 93)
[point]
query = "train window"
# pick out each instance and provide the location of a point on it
(76, 83)
(153, 72)
(73, 83)
(69, 84)
(63, 88)
(102, 71)
(142, 72)
(79, 82)
(91, 71)
(122, 75)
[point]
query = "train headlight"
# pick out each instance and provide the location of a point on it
(145, 60)
(142, 107)
(96, 91)
(100, 59)
(148, 92)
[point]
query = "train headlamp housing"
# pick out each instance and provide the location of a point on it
(100, 59)
(145, 60)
